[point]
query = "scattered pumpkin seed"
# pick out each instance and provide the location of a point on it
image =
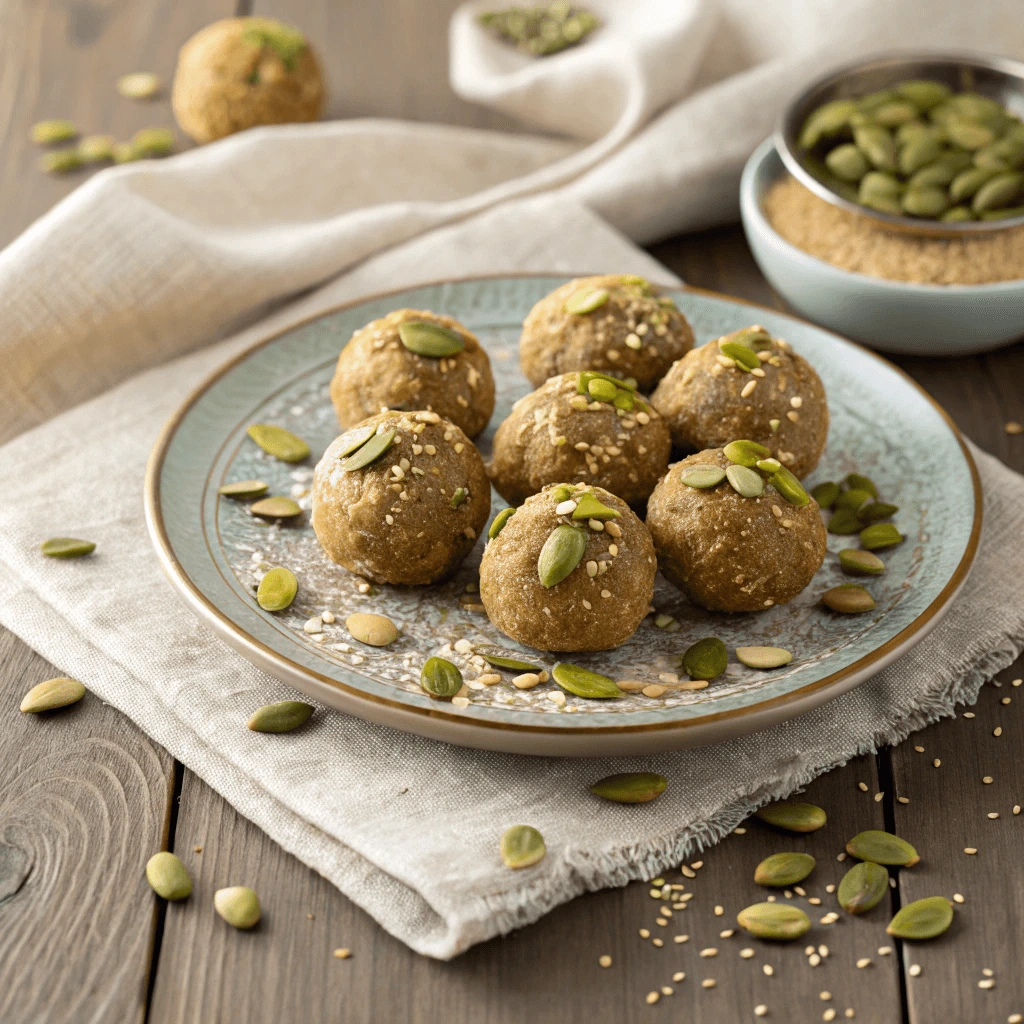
(586, 300)
(94, 149)
(370, 452)
(52, 694)
(139, 85)
(922, 919)
(825, 494)
(763, 657)
(855, 562)
(590, 507)
(499, 522)
(630, 787)
(779, 921)
(769, 466)
(702, 476)
(844, 522)
(863, 887)
(46, 133)
(429, 339)
(746, 453)
(706, 659)
(244, 489)
(859, 482)
(584, 683)
(277, 590)
(783, 869)
(238, 905)
(355, 439)
(460, 495)
(848, 598)
(375, 630)
(168, 877)
(882, 848)
(66, 547)
(602, 390)
(742, 356)
(61, 161)
(744, 481)
(790, 488)
(560, 493)
(284, 716)
(512, 664)
(586, 376)
(275, 508)
(440, 678)
(793, 816)
(280, 443)
(562, 552)
(853, 499)
(876, 511)
(880, 535)
(153, 141)
(522, 846)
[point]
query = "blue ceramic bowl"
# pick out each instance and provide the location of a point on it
(894, 316)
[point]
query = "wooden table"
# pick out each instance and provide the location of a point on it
(85, 797)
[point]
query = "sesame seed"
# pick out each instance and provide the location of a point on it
(343, 954)
(644, 933)
(830, 888)
(987, 971)
(679, 939)
(1016, 808)
(709, 951)
(1005, 700)
(658, 942)
(987, 983)
(920, 750)
(793, 416)
(814, 901)
(915, 970)
(739, 831)
(825, 996)
(808, 950)
(848, 1012)
(667, 990)
(1015, 1018)
(727, 934)
(719, 911)
(903, 799)
(814, 959)
(993, 815)
(661, 921)
(605, 960)
(596, 525)
(687, 872)
(968, 714)
(1016, 682)
(829, 1014)
(840, 857)
(768, 969)
(997, 731)
(796, 401)
(970, 850)
(746, 953)
(653, 997)
(936, 763)
(864, 961)
(760, 1010)
(679, 976)
(606, 593)
(708, 983)
(957, 898)
(654, 690)
(748, 389)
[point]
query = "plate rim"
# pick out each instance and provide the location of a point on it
(265, 656)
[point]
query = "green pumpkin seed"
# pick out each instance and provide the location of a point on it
(894, 113)
(46, 133)
(52, 694)
(238, 905)
(966, 184)
(275, 508)
(769, 466)
(793, 816)
(924, 93)
(939, 172)
(460, 495)
(1003, 214)
(560, 493)
(852, 499)
(94, 149)
(630, 787)
(877, 199)
(244, 489)
(844, 521)
(860, 563)
(584, 683)
(139, 85)
(602, 390)
(778, 921)
(440, 678)
(586, 376)
(863, 887)
(756, 338)
(848, 598)
(522, 846)
(880, 183)
(745, 482)
(967, 133)
(827, 120)
(168, 877)
(511, 664)
(586, 300)
(922, 919)
(280, 443)
(375, 630)
(429, 339)
(790, 488)
(706, 659)
(355, 439)
(742, 356)
(702, 476)
(783, 869)
(1000, 191)
(590, 507)
(880, 535)
(919, 152)
(61, 161)
(562, 552)
(979, 108)
(499, 522)
(882, 848)
(910, 131)
(369, 452)
(926, 201)
(763, 657)
(284, 716)
(876, 511)
(153, 141)
(847, 162)
(66, 547)
(957, 215)
(746, 453)
(878, 145)
(859, 482)
(277, 590)
(826, 494)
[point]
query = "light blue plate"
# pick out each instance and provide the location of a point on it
(214, 550)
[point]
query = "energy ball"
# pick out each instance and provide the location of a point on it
(747, 384)
(616, 323)
(401, 498)
(580, 426)
(729, 552)
(242, 72)
(414, 359)
(571, 570)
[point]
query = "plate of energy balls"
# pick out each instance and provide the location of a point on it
(564, 517)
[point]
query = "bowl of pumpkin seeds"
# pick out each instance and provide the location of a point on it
(930, 144)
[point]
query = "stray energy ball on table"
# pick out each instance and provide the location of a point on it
(413, 359)
(401, 498)
(572, 569)
(242, 72)
(580, 426)
(736, 534)
(747, 384)
(615, 323)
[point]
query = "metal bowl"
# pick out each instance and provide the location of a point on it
(1000, 78)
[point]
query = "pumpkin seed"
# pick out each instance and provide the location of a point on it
(829, 119)
(880, 192)
(918, 153)
(275, 508)
(859, 482)
(277, 590)
(825, 494)
(590, 507)
(429, 339)
(853, 498)
(844, 521)
(875, 511)
(586, 300)
(522, 846)
(706, 659)
(702, 476)
(745, 453)
(755, 337)
(584, 683)
(847, 162)
(778, 921)
(880, 535)
(966, 184)
(168, 877)
(244, 489)
(742, 356)
(562, 552)
(744, 481)
(848, 598)
(139, 85)
(153, 141)
(602, 390)
(375, 630)
(956, 215)
(924, 93)
(967, 133)
(440, 678)
(61, 161)
(369, 452)
(769, 466)
(460, 495)
(793, 816)
(52, 694)
(284, 716)
(238, 905)
(863, 887)
(499, 522)
(882, 848)
(925, 201)
(512, 664)
(94, 149)
(630, 787)
(790, 488)
(763, 657)
(586, 376)
(280, 443)
(782, 869)
(560, 493)
(894, 113)
(860, 563)
(46, 133)
(66, 547)
(877, 144)
(922, 919)
(1000, 191)
(355, 439)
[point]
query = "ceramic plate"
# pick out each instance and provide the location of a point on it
(214, 550)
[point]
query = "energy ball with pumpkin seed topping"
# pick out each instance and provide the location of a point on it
(401, 498)
(616, 323)
(736, 534)
(242, 72)
(582, 427)
(572, 569)
(414, 359)
(747, 384)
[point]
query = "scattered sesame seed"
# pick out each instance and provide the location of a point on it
(878, 797)
(970, 850)
(968, 714)
(719, 911)
(644, 933)
(823, 950)
(993, 815)
(343, 954)
(739, 831)
(687, 872)
(829, 1014)
(661, 921)
(667, 990)
(825, 996)
(814, 959)
(814, 901)
(1013, 427)
(848, 1012)
(936, 763)
(841, 857)
(658, 942)
(1016, 682)
(748, 389)
(903, 799)
(987, 983)
(799, 890)
(760, 1010)
(1015, 1018)
(727, 934)
(808, 950)
(708, 983)
(677, 939)
(864, 961)
(746, 953)
(768, 969)
(605, 960)
(920, 750)
(997, 731)
(652, 998)
(709, 951)
(915, 970)
(1016, 808)
(957, 898)
(830, 888)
